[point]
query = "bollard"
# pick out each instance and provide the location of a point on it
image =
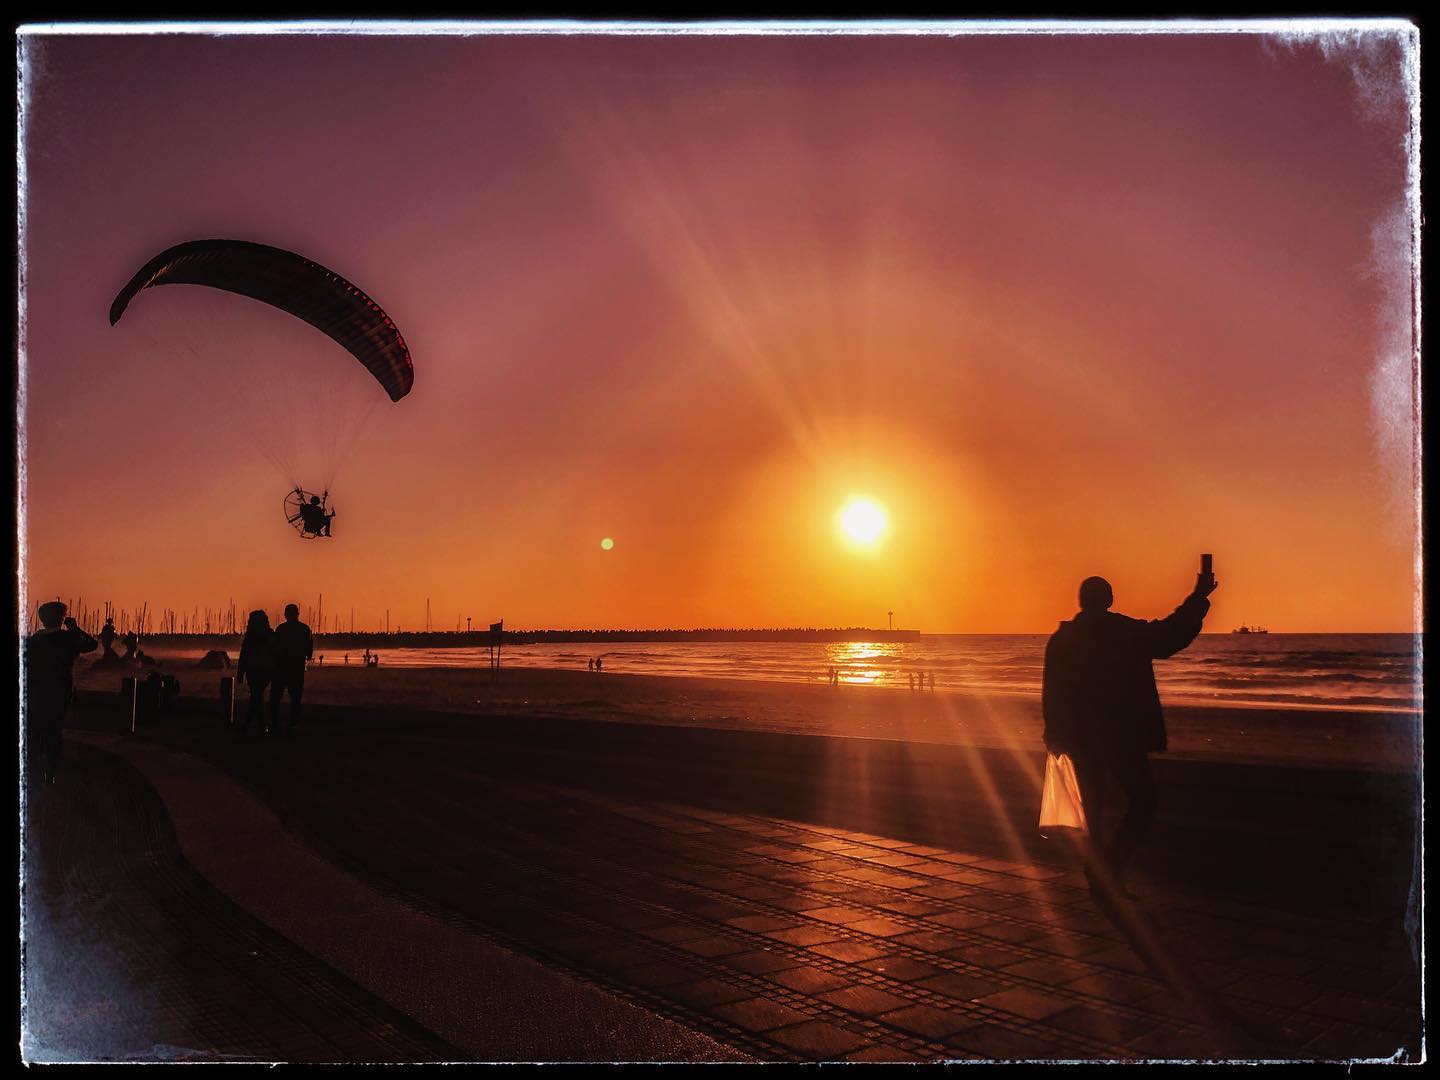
(227, 699)
(130, 702)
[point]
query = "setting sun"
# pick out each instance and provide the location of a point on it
(863, 521)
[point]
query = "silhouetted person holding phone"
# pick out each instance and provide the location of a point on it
(293, 646)
(50, 655)
(256, 668)
(1102, 708)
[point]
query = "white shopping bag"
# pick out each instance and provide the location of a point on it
(1060, 805)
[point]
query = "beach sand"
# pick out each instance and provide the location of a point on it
(1296, 737)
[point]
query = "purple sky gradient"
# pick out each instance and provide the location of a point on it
(1064, 305)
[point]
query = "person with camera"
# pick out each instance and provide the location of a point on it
(50, 655)
(1102, 708)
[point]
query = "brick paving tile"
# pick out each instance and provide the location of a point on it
(761, 962)
(1029, 1003)
(900, 967)
(883, 1053)
(886, 842)
(721, 911)
(1285, 992)
(1014, 886)
(1047, 971)
(898, 881)
(830, 866)
(758, 1014)
(1353, 1008)
(990, 955)
(849, 951)
(921, 849)
(960, 857)
(961, 920)
(868, 894)
(863, 1000)
(824, 1042)
(1012, 932)
(930, 868)
(714, 946)
(791, 902)
(660, 975)
(943, 890)
(1107, 1027)
(1122, 990)
(799, 857)
(763, 922)
(830, 844)
(1076, 947)
(1124, 958)
(911, 907)
(1165, 1003)
(809, 980)
(831, 887)
(707, 992)
(805, 935)
(765, 893)
(673, 933)
(961, 985)
(880, 927)
(937, 941)
(985, 900)
(838, 915)
(927, 1020)
(896, 859)
(997, 1043)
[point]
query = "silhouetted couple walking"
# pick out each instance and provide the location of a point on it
(274, 659)
(1102, 708)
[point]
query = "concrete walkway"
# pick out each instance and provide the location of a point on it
(520, 919)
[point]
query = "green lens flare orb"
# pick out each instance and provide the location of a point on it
(607, 544)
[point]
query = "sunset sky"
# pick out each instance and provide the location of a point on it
(1060, 306)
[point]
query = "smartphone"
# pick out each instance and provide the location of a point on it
(1207, 564)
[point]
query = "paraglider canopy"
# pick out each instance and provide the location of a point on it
(293, 284)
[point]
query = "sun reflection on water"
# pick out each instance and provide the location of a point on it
(863, 662)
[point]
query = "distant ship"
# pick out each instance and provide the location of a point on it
(1250, 630)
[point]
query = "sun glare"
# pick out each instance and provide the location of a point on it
(863, 521)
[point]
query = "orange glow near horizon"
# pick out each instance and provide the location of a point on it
(1056, 307)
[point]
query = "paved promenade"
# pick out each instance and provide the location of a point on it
(452, 909)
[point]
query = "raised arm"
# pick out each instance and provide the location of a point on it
(1166, 637)
(83, 642)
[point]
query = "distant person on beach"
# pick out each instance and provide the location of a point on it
(1102, 708)
(932, 680)
(597, 663)
(294, 645)
(50, 655)
(107, 637)
(911, 677)
(256, 668)
(347, 658)
(590, 663)
(131, 641)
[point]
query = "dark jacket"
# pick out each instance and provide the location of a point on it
(50, 665)
(257, 656)
(293, 646)
(1099, 690)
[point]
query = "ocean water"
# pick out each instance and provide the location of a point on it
(1367, 672)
